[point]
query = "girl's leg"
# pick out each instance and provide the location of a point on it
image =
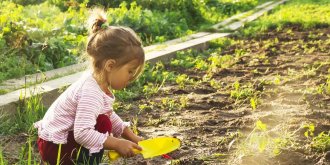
(49, 151)
(103, 125)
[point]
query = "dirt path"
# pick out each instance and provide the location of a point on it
(285, 70)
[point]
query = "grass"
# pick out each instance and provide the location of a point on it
(306, 14)
(28, 111)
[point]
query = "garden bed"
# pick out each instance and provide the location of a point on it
(259, 97)
(214, 117)
(286, 76)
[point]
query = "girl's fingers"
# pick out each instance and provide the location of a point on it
(130, 154)
(137, 147)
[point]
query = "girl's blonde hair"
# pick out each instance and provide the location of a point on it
(112, 42)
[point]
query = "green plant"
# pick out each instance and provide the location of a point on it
(264, 140)
(183, 102)
(253, 103)
(28, 111)
(201, 64)
(215, 84)
(146, 107)
(241, 92)
(134, 125)
(2, 159)
(277, 80)
(326, 86)
(185, 59)
(310, 130)
(169, 104)
(182, 80)
(27, 155)
(321, 142)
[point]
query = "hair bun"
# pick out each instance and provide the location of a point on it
(96, 20)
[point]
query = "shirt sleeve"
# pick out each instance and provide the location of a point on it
(88, 108)
(118, 125)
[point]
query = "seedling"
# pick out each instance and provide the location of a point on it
(134, 125)
(169, 104)
(321, 142)
(182, 80)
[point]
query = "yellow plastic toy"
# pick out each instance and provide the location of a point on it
(152, 147)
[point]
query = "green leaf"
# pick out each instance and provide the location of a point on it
(261, 126)
(253, 103)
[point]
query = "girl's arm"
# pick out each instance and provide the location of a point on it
(129, 135)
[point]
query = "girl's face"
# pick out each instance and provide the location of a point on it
(119, 77)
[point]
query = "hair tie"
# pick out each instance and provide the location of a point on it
(104, 26)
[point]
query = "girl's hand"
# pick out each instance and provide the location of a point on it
(125, 148)
(138, 138)
(129, 135)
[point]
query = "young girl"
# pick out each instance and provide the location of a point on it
(81, 123)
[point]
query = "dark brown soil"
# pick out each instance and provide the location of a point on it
(213, 126)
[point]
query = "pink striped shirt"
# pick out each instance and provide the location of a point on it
(77, 109)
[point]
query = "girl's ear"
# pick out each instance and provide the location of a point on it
(109, 65)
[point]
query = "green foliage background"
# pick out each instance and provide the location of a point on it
(40, 35)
